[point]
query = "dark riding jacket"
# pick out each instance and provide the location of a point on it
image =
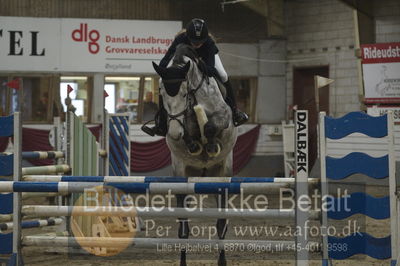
(206, 52)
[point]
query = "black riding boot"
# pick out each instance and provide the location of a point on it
(160, 120)
(238, 116)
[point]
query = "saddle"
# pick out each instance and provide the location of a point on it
(203, 68)
(221, 87)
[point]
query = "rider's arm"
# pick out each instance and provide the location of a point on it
(171, 51)
(211, 65)
(168, 56)
(210, 58)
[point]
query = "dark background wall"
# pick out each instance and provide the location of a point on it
(238, 23)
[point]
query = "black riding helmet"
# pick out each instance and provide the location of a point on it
(197, 31)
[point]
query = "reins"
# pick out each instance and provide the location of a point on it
(188, 104)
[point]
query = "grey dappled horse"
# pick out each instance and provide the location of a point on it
(201, 134)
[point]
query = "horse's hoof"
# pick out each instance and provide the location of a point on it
(213, 150)
(195, 148)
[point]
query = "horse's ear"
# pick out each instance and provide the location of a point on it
(160, 71)
(186, 67)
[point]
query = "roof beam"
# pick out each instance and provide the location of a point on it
(362, 6)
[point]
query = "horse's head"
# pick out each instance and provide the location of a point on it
(197, 112)
(174, 91)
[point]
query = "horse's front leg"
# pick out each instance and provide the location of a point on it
(194, 147)
(212, 147)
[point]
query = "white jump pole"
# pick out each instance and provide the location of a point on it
(79, 242)
(144, 212)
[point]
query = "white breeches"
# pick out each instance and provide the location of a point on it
(220, 68)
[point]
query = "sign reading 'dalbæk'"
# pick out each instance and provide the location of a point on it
(83, 45)
(381, 72)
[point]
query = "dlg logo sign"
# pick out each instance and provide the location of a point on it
(84, 35)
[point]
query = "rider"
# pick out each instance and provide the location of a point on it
(196, 35)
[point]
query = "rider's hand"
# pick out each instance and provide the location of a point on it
(203, 67)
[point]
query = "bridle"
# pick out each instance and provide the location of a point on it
(190, 101)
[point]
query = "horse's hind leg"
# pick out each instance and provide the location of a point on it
(183, 226)
(222, 226)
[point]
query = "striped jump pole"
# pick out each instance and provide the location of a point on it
(117, 144)
(31, 195)
(162, 179)
(105, 242)
(170, 212)
(42, 154)
(151, 188)
(32, 224)
(5, 218)
(43, 170)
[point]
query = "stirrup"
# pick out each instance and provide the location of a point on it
(239, 118)
(148, 130)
